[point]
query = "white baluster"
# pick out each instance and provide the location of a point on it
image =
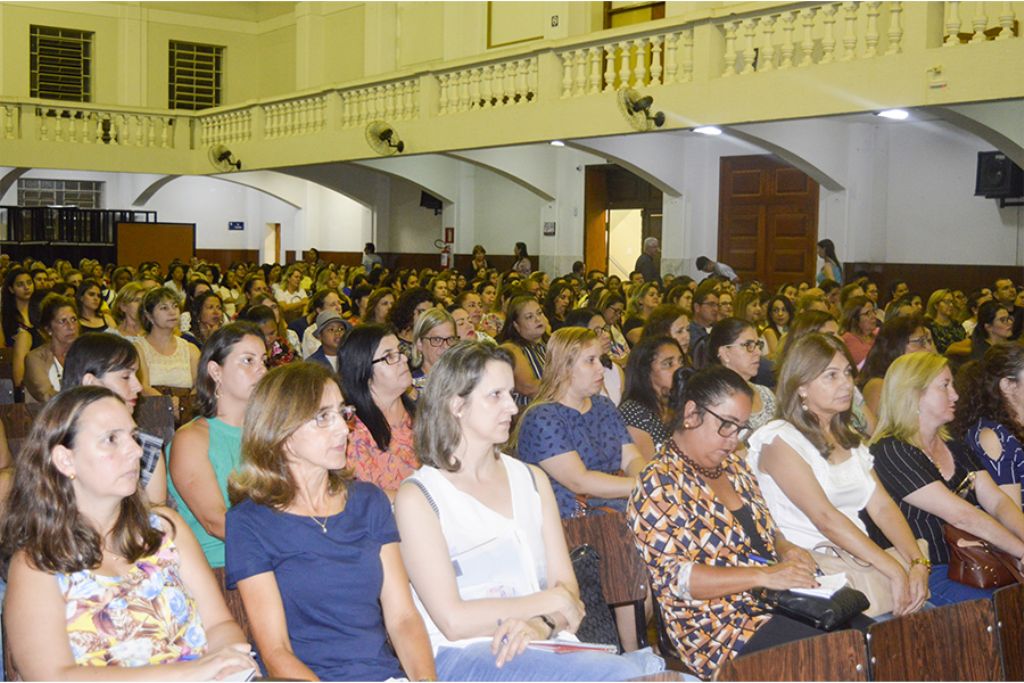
(871, 34)
(850, 35)
(522, 83)
(788, 46)
(509, 83)
(594, 63)
(58, 128)
(154, 122)
(747, 58)
(807, 44)
(389, 100)
(656, 60)
(766, 60)
(730, 48)
(609, 67)
(139, 131)
(579, 81)
(487, 87)
(443, 98)
(671, 57)
(165, 135)
(980, 23)
(531, 78)
(567, 63)
(952, 25)
(828, 43)
(687, 60)
(474, 88)
(498, 85)
(640, 65)
(624, 64)
(1006, 18)
(895, 33)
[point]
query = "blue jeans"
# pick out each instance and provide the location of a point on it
(476, 663)
(946, 591)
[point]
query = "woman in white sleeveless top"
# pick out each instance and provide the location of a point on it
(167, 359)
(482, 539)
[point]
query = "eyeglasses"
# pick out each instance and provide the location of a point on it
(66, 322)
(923, 340)
(391, 357)
(750, 345)
(603, 329)
(328, 417)
(710, 304)
(729, 428)
(441, 341)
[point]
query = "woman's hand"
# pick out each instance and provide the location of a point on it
(512, 637)
(899, 585)
(801, 557)
(918, 579)
(225, 661)
(788, 574)
(568, 605)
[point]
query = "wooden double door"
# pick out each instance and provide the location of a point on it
(767, 220)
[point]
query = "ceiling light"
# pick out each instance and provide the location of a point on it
(894, 114)
(557, 143)
(708, 130)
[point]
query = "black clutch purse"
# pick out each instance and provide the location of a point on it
(826, 614)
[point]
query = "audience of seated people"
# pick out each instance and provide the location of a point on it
(431, 405)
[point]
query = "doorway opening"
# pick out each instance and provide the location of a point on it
(272, 243)
(620, 210)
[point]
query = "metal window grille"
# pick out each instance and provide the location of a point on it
(85, 194)
(194, 75)
(60, 63)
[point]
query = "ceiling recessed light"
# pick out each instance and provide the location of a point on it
(557, 143)
(708, 130)
(894, 114)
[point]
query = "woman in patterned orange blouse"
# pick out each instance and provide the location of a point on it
(706, 533)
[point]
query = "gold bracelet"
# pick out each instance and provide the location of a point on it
(923, 561)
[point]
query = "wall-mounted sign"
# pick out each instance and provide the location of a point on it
(236, 225)
(549, 228)
(449, 235)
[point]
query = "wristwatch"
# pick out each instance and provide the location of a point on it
(550, 622)
(923, 561)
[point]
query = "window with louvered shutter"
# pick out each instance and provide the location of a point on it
(194, 75)
(60, 63)
(85, 194)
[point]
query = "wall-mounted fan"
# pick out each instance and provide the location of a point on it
(223, 160)
(383, 138)
(637, 110)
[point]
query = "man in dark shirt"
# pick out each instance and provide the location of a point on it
(1005, 293)
(705, 312)
(649, 263)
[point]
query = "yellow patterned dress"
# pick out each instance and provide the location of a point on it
(146, 617)
(677, 521)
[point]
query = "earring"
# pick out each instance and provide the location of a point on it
(216, 391)
(803, 403)
(71, 476)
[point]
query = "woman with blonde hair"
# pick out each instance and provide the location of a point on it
(939, 315)
(297, 512)
(432, 335)
(934, 479)
(575, 434)
(125, 310)
(642, 302)
(817, 476)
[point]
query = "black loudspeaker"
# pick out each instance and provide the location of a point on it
(998, 176)
(429, 201)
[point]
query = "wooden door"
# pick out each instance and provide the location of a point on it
(767, 220)
(595, 219)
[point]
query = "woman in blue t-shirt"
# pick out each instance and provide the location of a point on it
(314, 553)
(576, 435)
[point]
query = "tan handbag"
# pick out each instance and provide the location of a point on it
(832, 559)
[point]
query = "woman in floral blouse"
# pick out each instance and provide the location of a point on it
(96, 579)
(706, 533)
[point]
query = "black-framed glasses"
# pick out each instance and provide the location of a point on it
(922, 341)
(328, 417)
(391, 357)
(729, 427)
(437, 342)
(606, 329)
(750, 345)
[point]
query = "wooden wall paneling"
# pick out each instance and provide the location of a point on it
(162, 242)
(924, 278)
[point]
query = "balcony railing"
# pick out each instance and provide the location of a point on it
(708, 49)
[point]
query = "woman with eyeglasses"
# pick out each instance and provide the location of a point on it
(935, 479)
(206, 450)
(574, 433)
(698, 489)
(734, 344)
(994, 327)
(376, 380)
(296, 513)
(433, 334)
(612, 305)
(652, 366)
(860, 327)
(900, 335)
(44, 365)
(817, 477)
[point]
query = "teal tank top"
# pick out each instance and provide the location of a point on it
(225, 456)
